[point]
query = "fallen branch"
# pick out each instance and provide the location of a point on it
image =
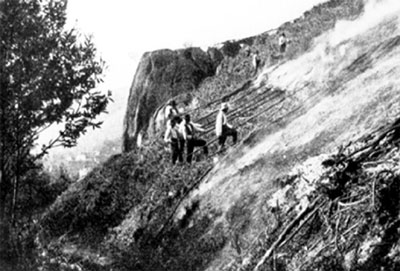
(241, 109)
(243, 87)
(265, 110)
(371, 146)
(251, 106)
(300, 226)
(285, 232)
(373, 193)
(337, 233)
(350, 204)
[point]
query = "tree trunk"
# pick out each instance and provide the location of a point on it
(14, 200)
(4, 218)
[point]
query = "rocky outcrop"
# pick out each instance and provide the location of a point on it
(160, 76)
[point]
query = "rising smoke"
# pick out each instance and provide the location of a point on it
(375, 12)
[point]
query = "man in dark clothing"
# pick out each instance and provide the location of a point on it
(172, 136)
(282, 43)
(181, 139)
(256, 62)
(188, 129)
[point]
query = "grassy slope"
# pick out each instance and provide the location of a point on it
(361, 94)
(128, 200)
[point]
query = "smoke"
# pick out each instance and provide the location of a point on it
(375, 12)
(358, 103)
(349, 37)
(336, 49)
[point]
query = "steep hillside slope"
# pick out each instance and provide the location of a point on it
(167, 74)
(318, 154)
(347, 86)
(339, 91)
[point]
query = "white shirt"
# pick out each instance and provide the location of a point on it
(255, 58)
(170, 111)
(221, 120)
(282, 40)
(171, 133)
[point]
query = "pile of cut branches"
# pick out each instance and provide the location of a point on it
(352, 219)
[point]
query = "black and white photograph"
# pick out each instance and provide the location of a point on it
(180, 135)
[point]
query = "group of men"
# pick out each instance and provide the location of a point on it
(184, 132)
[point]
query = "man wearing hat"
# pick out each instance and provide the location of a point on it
(222, 128)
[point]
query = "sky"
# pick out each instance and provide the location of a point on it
(124, 29)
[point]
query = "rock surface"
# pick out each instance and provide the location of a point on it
(161, 75)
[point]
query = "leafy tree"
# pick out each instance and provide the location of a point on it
(47, 77)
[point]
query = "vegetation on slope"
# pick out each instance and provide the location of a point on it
(126, 206)
(137, 190)
(349, 220)
(47, 78)
(236, 67)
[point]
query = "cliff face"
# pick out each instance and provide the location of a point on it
(160, 76)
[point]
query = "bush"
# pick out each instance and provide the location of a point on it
(104, 198)
(38, 190)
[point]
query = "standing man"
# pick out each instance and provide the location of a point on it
(256, 62)
(173, 138)
(282, 43)
(171, 111)
(222, 128)
(188, 129)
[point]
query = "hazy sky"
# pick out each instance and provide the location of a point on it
(124, 29)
